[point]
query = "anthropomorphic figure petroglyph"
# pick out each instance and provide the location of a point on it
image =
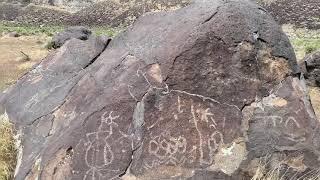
(99, 153)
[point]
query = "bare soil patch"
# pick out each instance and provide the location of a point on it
(13, 63)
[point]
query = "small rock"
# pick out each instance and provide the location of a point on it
(13, 34)
(10, 34)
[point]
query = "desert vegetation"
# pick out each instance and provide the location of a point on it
(49, 30)
(304, 41)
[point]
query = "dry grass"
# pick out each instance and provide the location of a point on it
(7, 149)
(12, 65)
(315, 99)
(280, 172)
(33, 43)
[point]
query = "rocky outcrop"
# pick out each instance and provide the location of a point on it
(76, 5)
(38, 15)
(203, 92)
(71, 5)
(125, 12)
(102, 13)
(301, 13)
(311, 67)
(9, 11)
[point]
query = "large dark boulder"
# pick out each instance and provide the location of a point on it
(204, 92)
(76, 32)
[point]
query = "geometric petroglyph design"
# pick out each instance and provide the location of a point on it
(99, 154)
(170, 150)
(278, 120)
(179, 150)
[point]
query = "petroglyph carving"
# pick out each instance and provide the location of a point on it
(179, 109)
(170, 150)
(178, 150)
(32, 102)
(292, 120)
(203, 118)
(99, 154)
(166, 148)
(278, 120)
(215, 140)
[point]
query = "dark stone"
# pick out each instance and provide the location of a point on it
(311, 65)
(13, 34)
(77, 32)
(203, 92)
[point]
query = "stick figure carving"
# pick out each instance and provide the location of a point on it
(99, 154)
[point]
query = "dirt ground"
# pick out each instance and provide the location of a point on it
(13, 56)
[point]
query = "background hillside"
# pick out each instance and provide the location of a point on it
(301, 13)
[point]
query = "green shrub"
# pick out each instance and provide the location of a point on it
(310, 49)
(303, 46)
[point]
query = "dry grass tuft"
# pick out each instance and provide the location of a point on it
(281, 172)
(262, 172)
(8, 150)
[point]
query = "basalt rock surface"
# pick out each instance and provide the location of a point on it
(311, 67)
(204, 92)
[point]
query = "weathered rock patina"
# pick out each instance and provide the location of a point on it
(198, 93)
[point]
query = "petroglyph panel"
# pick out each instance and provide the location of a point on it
(107, 143)
(280, 121)
(185, 130)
